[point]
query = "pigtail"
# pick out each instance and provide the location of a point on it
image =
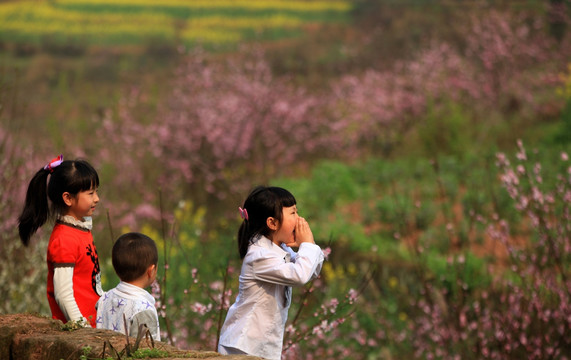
(36, 208)
(244, 238)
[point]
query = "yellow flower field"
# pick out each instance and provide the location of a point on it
(42, 20)
(328, 5)
(116, 22)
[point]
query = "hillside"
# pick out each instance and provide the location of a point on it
(426, 142)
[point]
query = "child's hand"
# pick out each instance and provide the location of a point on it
(302, 233)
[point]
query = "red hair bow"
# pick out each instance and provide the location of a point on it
(53, 164)
(243, 213)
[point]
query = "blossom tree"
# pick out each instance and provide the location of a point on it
(524, 312)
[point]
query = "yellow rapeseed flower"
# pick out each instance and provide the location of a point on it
(152, 233)
(352, 269)
(46, 20)
(214, 22)
(210, 36)
(330, 5)
(208, 21)
(327, 271)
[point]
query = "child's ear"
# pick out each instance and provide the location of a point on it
(67, 198)
(151, 269)
(272, 223)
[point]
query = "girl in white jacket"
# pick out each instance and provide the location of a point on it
(255, 323)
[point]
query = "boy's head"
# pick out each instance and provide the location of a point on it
(133, 254)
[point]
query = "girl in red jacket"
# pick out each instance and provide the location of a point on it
(74, 279)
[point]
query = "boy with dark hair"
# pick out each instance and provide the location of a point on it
(135, 258)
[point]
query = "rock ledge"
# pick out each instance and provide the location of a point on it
(34, 337)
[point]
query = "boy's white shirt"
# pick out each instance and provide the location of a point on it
(255, 322)
(137, 305)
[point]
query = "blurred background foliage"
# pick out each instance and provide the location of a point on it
(390, 121)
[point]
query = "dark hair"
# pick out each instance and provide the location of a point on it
(262, 203)
(132, 255)
(72, 176)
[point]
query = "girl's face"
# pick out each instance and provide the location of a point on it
(285, 231)
(82, 204)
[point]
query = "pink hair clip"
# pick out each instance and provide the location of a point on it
(53, 164)
(243, 213)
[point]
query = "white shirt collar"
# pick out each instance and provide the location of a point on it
(86, 224)
(128, 291)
